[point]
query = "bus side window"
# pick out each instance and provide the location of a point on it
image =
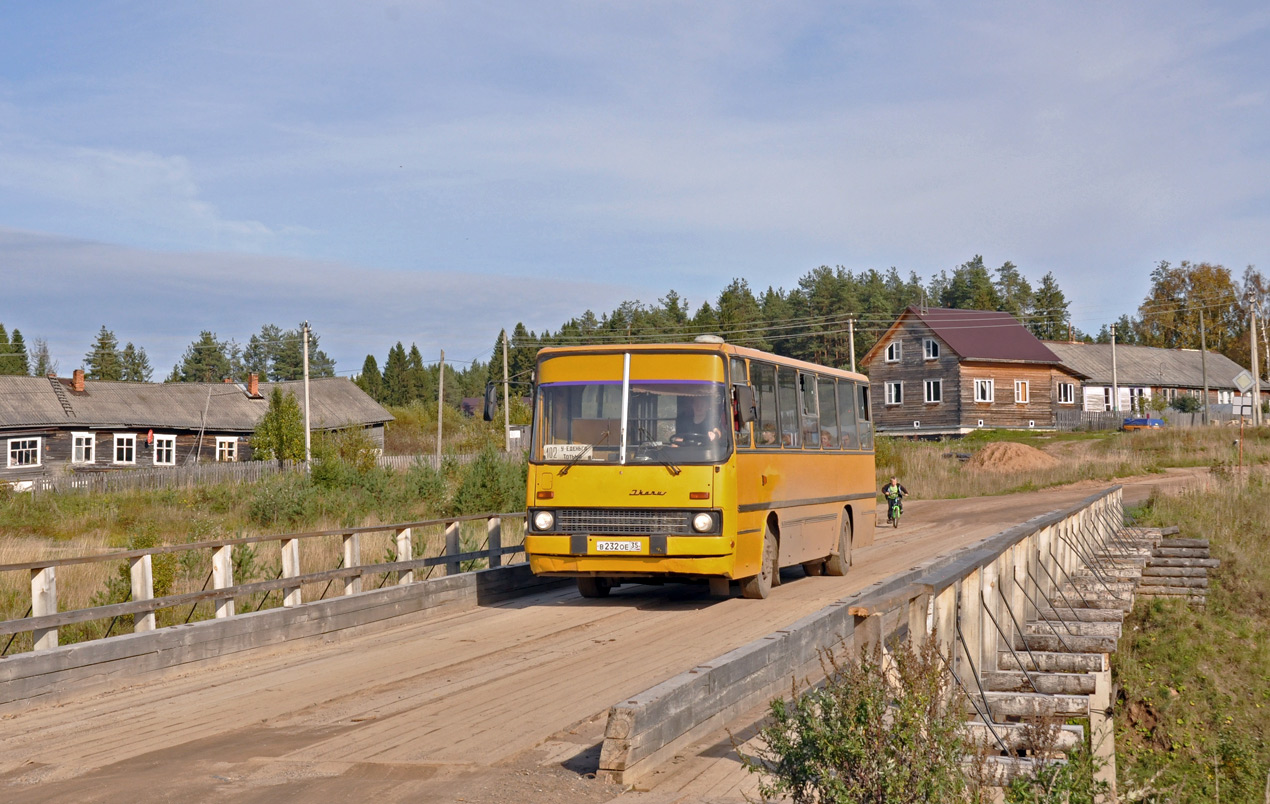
(846, 414)
(739, 378)
(828, 414)
(810, 410)
(787, 405)
(864, 419)
(763, 375)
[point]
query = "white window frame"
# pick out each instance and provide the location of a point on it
(985, 385)
(31, 446)
(1022, 393)
(930, 349)
(170, 440)
(895, 393)
(129, 441)
(84, 453)
(938, 387)
(1066, 393)
(894, 351)
(226, 446)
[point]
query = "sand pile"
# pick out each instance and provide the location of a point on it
(1007, 456)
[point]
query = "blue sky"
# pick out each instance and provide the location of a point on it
(435, 171)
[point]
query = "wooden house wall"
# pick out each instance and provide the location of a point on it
(57, 449)
(1003, 411)
(913, 370)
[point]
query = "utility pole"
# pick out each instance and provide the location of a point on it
(851, 337)
(1256, 369)
(440, 405)
(308, 443)
(1115, 385)
(507, 402)
(1203, 363)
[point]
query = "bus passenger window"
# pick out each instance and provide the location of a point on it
(763, 376)
(828, 414)
(846, 414)
(866, 426)
(787, 402)
(739, 378)
(810, 411)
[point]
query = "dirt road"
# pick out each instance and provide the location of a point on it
(497, 704)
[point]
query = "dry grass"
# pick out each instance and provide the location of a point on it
(930, 470)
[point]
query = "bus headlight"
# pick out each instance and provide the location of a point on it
(703, 522)
(544, 520)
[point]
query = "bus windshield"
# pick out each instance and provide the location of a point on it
(668, 421)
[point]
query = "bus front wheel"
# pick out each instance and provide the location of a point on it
(840, 562)
(594, 587)
(757, 587)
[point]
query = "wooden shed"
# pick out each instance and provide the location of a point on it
(943, 372)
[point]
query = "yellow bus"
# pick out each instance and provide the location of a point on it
(696, 461)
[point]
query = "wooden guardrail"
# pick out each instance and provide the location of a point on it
(979, 603)
(44, 619)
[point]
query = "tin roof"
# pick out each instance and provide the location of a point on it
(976, 335)
(1147, 366)
(225, 407)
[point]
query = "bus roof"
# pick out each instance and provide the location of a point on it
(716, 348)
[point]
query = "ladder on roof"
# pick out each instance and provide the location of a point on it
(61, 397)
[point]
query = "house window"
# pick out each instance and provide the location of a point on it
(1066, 393)
(894, 393)
(24, 452)
(934, 391)
(1020, 392)
(983, 390)
(1225, 397)
(930, 348)
(125, 448)
(226, 449)
(84, 448)
(893, 352)
(165, 450)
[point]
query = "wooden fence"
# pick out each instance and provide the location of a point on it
(412, 560)
(1113, 420)
(208, 474)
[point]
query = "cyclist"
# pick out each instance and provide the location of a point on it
(894, 492)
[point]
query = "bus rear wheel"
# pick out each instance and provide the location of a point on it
(757, 587)
(594, 587)
(838, 563)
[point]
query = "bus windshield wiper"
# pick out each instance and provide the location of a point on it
(573, 462)
(670, 466)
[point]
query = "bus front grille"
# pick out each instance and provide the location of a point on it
(634, 521)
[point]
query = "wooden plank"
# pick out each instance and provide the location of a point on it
(1211, 563)
(1025, 704)
(1048, 683)
(1174, 572)
(1180, 552)
(1194, 544)
(1052, 662)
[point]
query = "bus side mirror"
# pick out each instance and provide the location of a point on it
(745, 403)
(491, 401)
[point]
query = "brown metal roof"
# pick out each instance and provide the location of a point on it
(977, 335)
(37, 402)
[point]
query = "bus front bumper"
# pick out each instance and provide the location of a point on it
(631, 556)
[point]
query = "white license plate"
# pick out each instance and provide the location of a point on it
(623, 546)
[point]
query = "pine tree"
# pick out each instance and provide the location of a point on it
(17, 348)
(134, 364)
(971, 288)
(1049, 310)
(206, 360)
(395, 379)
(1014, 291)
(6, 359)
(370, 380)
(44, 362)
(102, 361)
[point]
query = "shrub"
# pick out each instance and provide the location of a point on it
(490, 483)
(1185, 404)
(283, 500)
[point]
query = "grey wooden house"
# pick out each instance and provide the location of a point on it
(57, 424)
(943, 372)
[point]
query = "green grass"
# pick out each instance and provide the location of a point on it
(1193, 715)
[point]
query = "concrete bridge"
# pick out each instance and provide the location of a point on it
(495, 686)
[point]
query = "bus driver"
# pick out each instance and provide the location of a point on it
(700, 427)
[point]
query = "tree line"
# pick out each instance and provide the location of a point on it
(815, 320)
(406, 378)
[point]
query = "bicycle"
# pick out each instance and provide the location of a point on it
(893, 514)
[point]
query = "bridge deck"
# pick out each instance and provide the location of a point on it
(494, 704)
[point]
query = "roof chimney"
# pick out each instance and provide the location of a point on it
(227, 380)
(253, 385)
(77, 381)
